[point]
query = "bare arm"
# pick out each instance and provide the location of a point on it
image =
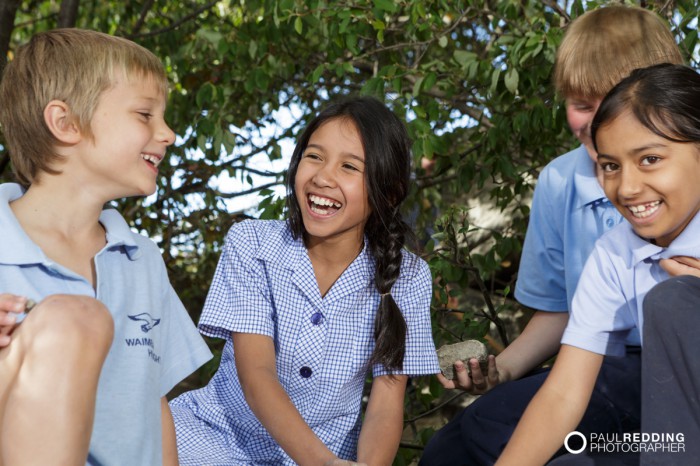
(383, 423)
(257, 372)
(555, 410)
(168, 428)
(538, 342)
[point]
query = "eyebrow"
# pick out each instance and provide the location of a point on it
(348, 154)
(637, 150)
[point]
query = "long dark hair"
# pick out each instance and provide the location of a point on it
(665, 99)
(387, 173)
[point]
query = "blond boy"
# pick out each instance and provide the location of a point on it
(83, 377)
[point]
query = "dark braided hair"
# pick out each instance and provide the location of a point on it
(387, 173)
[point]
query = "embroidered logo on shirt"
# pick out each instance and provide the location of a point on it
(149, 322)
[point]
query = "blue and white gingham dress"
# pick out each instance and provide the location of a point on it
(265, 284)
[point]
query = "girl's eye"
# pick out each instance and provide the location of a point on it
(650, 160)
(146, 115)
(609, 167)
(350, 167)
(311, 155)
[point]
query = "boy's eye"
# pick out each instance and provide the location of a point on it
(650, 160)
(145, 115)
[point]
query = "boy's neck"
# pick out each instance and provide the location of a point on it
(64, 225)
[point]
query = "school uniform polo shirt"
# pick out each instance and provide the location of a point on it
(265, 284)
(155, 343)
(569, 213)
(621, 270)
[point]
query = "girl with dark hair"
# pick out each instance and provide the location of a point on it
(310, 305)
(647, 136)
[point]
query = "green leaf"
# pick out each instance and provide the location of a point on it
(298, 25)
(511, 80)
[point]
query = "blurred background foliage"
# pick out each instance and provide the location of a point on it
(471, 78)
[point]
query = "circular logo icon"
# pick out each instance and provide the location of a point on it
(572, 450)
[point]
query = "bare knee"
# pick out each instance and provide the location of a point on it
(73, 321)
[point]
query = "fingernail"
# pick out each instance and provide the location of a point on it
(19, 305)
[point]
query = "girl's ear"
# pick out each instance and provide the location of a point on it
(61, 123)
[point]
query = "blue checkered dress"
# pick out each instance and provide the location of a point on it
(265, 284)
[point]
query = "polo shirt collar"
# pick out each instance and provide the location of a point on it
(587, 186)
(17, 248)
(119, 234)
(686, 244)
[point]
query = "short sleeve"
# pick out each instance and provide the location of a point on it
(185, 349)
(600, 319)
(541, 280)
(239, 298)
(413, 293)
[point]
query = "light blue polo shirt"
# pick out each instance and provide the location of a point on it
(265, 284)
(621, 270)
(155, 344)
(569, 213)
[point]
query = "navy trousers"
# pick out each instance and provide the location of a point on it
(671, 368)
(478, 435)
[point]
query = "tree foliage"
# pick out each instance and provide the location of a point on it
(471, 78)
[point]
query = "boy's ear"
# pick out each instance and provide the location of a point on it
(60, 121)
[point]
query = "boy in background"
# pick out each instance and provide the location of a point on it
(83, 116)
(569, 213)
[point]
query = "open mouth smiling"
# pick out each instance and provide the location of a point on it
(153, 159)
(644, 210)
(323, 205)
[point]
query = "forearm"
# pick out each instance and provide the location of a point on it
(169, 439)
(379, 438)
(383, 424)
(276, 412)
(257, 374)
(555, 410)
(541, 430)
(539, 341)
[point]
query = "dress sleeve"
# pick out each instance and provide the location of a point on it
(541, 281)
(413, 293)
(239, 298)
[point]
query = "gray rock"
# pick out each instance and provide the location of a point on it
(463, 351)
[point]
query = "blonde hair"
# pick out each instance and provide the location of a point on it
(74, 66)
(604, 45)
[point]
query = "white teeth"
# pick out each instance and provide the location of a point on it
(322, 201)
(644, 210)
(151, 158)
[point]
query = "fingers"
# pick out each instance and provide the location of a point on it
(10, 307)
(470, 378)
(479, 382)
(681, 265)
(493, 375)
(447, 383)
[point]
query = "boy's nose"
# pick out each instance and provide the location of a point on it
(166, 135)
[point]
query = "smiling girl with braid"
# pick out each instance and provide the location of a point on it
(309, 305)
